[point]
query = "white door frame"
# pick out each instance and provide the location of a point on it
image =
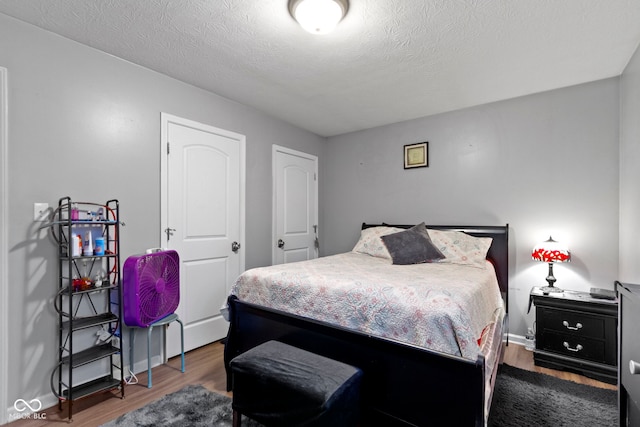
(165, 119)
(274, 225)
(4, 246)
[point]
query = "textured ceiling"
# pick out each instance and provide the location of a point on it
(387, 61)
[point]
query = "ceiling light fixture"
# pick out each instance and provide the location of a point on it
(318, 16)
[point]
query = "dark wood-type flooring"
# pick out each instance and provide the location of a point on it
(205, 366)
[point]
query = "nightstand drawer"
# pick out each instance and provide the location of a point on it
(572, 322)
(575, 346)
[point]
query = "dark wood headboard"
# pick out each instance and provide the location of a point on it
(498, 253)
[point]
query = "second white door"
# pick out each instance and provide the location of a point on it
(295, 205)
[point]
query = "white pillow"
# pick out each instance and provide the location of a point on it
(461, 248)
(370, 242)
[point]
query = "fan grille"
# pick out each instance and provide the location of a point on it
(151, 287)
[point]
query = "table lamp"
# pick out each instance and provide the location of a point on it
(551, 251)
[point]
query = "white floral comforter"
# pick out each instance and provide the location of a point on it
(444, 307)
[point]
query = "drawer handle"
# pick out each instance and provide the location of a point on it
(577, 348)
(634, 367)
(573, 328)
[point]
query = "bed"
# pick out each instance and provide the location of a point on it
(409, 378)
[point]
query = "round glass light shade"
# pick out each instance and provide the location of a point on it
(318, 16)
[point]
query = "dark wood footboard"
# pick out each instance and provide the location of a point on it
(402, 384)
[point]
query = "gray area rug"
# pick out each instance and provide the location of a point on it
(521, 398)
(193, 405)
(529, 399)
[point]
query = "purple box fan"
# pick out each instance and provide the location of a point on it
(151, 287)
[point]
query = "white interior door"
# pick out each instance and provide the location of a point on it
(295, 194)
(204, 223)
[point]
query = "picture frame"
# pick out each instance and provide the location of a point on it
(416, 155)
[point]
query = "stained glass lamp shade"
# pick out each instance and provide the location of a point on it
(551, 251)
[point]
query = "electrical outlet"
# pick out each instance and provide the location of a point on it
(40, 211)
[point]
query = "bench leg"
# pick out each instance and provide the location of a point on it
(237, 419)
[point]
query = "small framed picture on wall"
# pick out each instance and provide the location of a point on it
(416, 155)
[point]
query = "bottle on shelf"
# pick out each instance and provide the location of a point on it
(75, 212)
(99, 246)
(88, 244)
(76, 245)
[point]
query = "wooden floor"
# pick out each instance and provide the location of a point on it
(205, 366)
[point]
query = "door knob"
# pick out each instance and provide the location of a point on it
(280, 243)
(634, 367)
(235, 246)
(169, 232)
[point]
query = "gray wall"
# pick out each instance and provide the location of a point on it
(86, 124)
(544, 163)
(630, 172)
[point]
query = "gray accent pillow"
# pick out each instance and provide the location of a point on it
(412, 246)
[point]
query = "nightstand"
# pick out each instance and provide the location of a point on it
(577, 333)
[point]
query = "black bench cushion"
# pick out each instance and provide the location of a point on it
(275, 383)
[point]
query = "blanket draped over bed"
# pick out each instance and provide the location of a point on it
(439, 306)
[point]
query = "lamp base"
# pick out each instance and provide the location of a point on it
(551, 290)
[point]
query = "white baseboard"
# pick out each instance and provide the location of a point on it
(141, 366)
(517, 339)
